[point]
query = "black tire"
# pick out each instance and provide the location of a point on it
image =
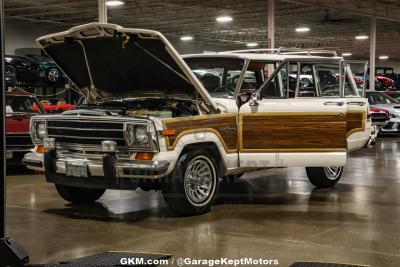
(79, 195)
(174, 187)
(232, 178)
(324, 176)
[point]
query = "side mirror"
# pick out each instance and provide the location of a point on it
(243, 99)
(254, 99)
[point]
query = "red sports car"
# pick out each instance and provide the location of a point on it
(20, 107)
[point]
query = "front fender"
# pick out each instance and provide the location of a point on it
(172, 154)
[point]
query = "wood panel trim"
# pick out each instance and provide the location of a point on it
(165, 123)
(364, 119)
(199, 130)
(240, 147)
(286, 150)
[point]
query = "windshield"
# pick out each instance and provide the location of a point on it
(21, 104)
(218, 75)
(379, 98)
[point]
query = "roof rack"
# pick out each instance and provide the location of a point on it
(287, 51)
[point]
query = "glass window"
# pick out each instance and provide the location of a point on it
(274, 88)
(292, 76)
(21, 104)
(328, 77)
(307, 86)
(256, 74)
(375, 98)
(219, 75)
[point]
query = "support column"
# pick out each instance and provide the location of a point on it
(102, 11)
(372, 54)
(271, 24)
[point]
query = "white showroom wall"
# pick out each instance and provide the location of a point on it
(20, 37)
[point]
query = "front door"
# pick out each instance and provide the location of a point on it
(292, 124)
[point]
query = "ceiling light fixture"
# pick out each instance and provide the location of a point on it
(303, 29)
(362, 37)
(251, 44)
(383, 57)
(224, 19)
(114, 3)
(346, 54)
(186, 38)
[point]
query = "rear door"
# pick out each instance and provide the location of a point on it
(303, 130)
(359, 124)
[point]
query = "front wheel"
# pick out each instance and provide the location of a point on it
(324, 176)
(192, 186)
(79, 195)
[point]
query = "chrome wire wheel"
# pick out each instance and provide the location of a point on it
(333, 173)
(200, 181)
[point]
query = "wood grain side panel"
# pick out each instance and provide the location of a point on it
(355, 121)
(225, 126)
(293, 132)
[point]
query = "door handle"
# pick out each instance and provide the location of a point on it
(333, 103)
(356, 103)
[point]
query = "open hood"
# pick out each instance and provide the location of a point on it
(109, 61)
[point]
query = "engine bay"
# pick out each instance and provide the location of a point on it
(145, 107)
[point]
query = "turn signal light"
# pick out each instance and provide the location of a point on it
(41, 149)
(170, 132)
(144, 155)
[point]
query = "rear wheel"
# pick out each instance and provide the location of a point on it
(191, 188)
(324, 176)
(79, 194)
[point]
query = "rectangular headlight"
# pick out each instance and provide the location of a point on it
(140, 136)
(38, 130)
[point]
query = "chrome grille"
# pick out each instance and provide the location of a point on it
(86, 132)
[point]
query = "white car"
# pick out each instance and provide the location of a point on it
(153, 125)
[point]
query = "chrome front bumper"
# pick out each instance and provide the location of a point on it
(102, 166)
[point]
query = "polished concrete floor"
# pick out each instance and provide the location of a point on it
(270, 214)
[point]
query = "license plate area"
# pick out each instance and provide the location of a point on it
(76, 169)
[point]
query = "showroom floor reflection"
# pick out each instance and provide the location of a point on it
(269, 214)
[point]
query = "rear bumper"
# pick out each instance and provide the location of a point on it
(106, 166)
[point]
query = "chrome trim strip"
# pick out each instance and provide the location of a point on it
(85, 137)
(84, 129)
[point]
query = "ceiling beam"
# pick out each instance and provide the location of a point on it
(370, 8)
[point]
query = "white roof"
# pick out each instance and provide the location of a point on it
(260, 56)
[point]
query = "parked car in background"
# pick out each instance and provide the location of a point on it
(20, 107)
(380, 117)
(389, 105)
(50, 73)
(393, 94)
(20, 70)
(389, 72)
(55, 105)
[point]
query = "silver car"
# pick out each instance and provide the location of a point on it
(385, 102)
